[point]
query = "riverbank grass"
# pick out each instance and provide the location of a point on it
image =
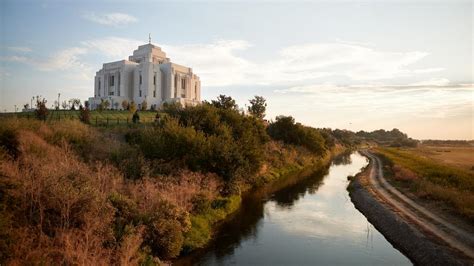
(430, 179)
(202, 223)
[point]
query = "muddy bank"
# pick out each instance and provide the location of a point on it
(407, 238)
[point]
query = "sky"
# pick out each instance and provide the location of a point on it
(357, 65)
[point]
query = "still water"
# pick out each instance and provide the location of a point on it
(309, 222)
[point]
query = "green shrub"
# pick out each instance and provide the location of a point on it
(286, 130)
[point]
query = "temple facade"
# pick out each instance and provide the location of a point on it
(147, 76)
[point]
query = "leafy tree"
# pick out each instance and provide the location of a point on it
(74, 102)
(258, 106)
(225, 102)
(136, 117)
(84, 114)
(64, 105)
(132, 107)
(125, 105)
(286, 130)
(144, 105)
(41, 111)
(26, 106)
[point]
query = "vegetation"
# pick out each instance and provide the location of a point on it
(75, 194)
(258, 106)
(394, 138)
(285, 129)
(431, 179)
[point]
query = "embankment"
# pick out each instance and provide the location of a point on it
(419, 247)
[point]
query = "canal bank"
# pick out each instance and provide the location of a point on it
(404, 231)
(308, 220)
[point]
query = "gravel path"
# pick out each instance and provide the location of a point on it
(421, 235)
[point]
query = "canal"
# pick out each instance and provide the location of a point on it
(311, 221)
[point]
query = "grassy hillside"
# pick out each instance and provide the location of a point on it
(71, 193)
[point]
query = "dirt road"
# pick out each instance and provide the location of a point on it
(428, 237)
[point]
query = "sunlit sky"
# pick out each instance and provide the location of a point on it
(358, 65)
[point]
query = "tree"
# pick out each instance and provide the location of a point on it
(26, 106)
(64, 105)
(84, 114)
(136, 117)
(116, 105)
(144, 105)
(106, 104)
(41, 111)
(132, 107)
(258, 106)
(225, 102)
(125, 105)
(74, 102)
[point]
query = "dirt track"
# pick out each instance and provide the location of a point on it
(421, 235)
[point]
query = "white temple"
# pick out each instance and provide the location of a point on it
(148, 75)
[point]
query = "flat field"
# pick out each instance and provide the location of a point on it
(439, 173)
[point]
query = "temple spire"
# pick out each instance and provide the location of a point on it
(149, 38)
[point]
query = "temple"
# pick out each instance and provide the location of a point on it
(147, 76)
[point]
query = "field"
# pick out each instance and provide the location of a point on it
(457, 156)
(434, 173)
(99, 118)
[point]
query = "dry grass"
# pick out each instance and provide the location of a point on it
(55, 199)
(431, 179)
(462, 157)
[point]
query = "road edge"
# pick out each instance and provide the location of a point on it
(420, 249)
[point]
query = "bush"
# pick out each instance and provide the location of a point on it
(84, 115)
(286, 130)
(41, 112)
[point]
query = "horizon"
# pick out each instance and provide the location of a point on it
(347, 65)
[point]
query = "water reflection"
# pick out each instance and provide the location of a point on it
(305, 220)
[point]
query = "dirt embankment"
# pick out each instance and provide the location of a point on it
(419, 246)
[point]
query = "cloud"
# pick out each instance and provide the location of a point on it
(110, 19)
(216, 63)
(14, 58)
(21, 49)
(223, 62)
(113, 47)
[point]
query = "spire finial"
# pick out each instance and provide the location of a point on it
(149, 38)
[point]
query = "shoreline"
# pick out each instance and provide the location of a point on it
(403, 235)
(289, 178)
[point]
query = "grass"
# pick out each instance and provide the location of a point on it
(431, 179)
(457, 156)
(201, 224)
(99, 118)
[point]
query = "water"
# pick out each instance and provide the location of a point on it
(309, 222)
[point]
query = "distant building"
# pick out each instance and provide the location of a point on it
(148, 75)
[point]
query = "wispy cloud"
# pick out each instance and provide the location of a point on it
(21, 49)
(115, 48)
(110, 19)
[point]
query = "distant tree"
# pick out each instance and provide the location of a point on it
(41, 111)
(225, 102)
(106, 104)
(64, 105)
(125, 105)
(258, 106)
(86, 104)
(144, 105)
(116, 105)
(26, 106)
(84, 114)
(56, 105)
(132, 107)
(74, 102)
(136, 117)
